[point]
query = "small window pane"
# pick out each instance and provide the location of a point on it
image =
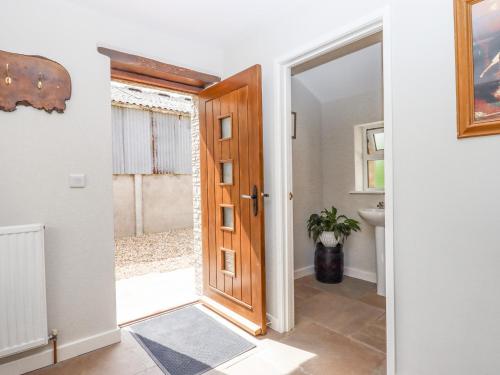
(227, 217)
(371, 142)
(379, 141)
(227, 173)
(376, 174)
(225, 127)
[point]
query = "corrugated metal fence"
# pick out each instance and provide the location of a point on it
(147, 142)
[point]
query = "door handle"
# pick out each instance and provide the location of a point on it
(254, 199)
(245, 196)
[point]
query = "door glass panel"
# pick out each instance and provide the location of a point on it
(227, 217)
(376, 174)
(225, 127)
(227, 173)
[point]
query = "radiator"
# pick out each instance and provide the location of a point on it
(23, 306)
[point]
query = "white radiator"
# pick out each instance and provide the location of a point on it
(23, 306)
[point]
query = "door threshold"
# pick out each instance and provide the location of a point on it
(157, 313)
(232, 317)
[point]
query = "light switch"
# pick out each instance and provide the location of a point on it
(77, 181)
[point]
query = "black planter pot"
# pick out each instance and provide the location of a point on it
(329, 263)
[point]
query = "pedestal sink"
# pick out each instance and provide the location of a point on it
(376, 217)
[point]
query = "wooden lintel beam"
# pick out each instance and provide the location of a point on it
(144, 66)
(151, 81)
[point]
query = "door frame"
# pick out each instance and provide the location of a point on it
(283, 206)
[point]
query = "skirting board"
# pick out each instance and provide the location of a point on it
(65, 351)
(272, 321)
(348, 271)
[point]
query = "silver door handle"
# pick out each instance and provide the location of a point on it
(254, 197)
(246, 196)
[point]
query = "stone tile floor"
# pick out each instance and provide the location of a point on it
(340, 330)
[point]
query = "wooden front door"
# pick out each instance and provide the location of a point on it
(232, 199)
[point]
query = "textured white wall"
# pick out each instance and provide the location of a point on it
(337, 147)
(38, 151)
(307, 172)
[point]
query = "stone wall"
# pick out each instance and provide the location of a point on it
(197, 246)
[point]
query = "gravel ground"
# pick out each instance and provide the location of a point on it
(157, 252)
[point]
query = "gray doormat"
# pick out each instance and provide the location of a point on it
(188, 341)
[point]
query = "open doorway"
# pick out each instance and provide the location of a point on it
(338, 175)
(153, 199)
(156, 167)
(333, 47)
(227, 189)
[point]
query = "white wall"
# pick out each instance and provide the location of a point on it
(446, 208)
(307, 173)
(445, 194)
(337, 147)
(39, 150)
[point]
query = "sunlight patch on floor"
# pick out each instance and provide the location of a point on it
(144, 295)
(268, 357)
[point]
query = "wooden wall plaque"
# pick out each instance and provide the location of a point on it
(33, 81)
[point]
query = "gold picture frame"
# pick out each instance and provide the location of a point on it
(477, 37)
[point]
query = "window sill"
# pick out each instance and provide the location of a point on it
(368, 192)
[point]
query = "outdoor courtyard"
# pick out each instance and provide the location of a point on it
(154, 272)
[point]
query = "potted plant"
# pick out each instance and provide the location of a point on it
(331, 231)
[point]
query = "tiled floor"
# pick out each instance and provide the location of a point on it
(340, 330)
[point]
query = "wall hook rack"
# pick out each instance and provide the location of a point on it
(39, 82)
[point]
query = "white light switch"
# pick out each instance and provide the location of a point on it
(77, 181)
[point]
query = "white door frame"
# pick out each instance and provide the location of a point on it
(380, 21)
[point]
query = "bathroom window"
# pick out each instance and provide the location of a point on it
(369, 157)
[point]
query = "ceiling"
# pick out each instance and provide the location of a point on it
(218, 22)
(357, 73)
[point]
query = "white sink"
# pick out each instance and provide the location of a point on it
(376, 217)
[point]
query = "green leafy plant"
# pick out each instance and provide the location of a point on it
(328, 221)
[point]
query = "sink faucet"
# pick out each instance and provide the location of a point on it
(381, 205)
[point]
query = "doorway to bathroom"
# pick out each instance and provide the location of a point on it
(338, 186)
(336, 132)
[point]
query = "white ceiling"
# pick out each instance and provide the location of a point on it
(357, 73)
(218, 22)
